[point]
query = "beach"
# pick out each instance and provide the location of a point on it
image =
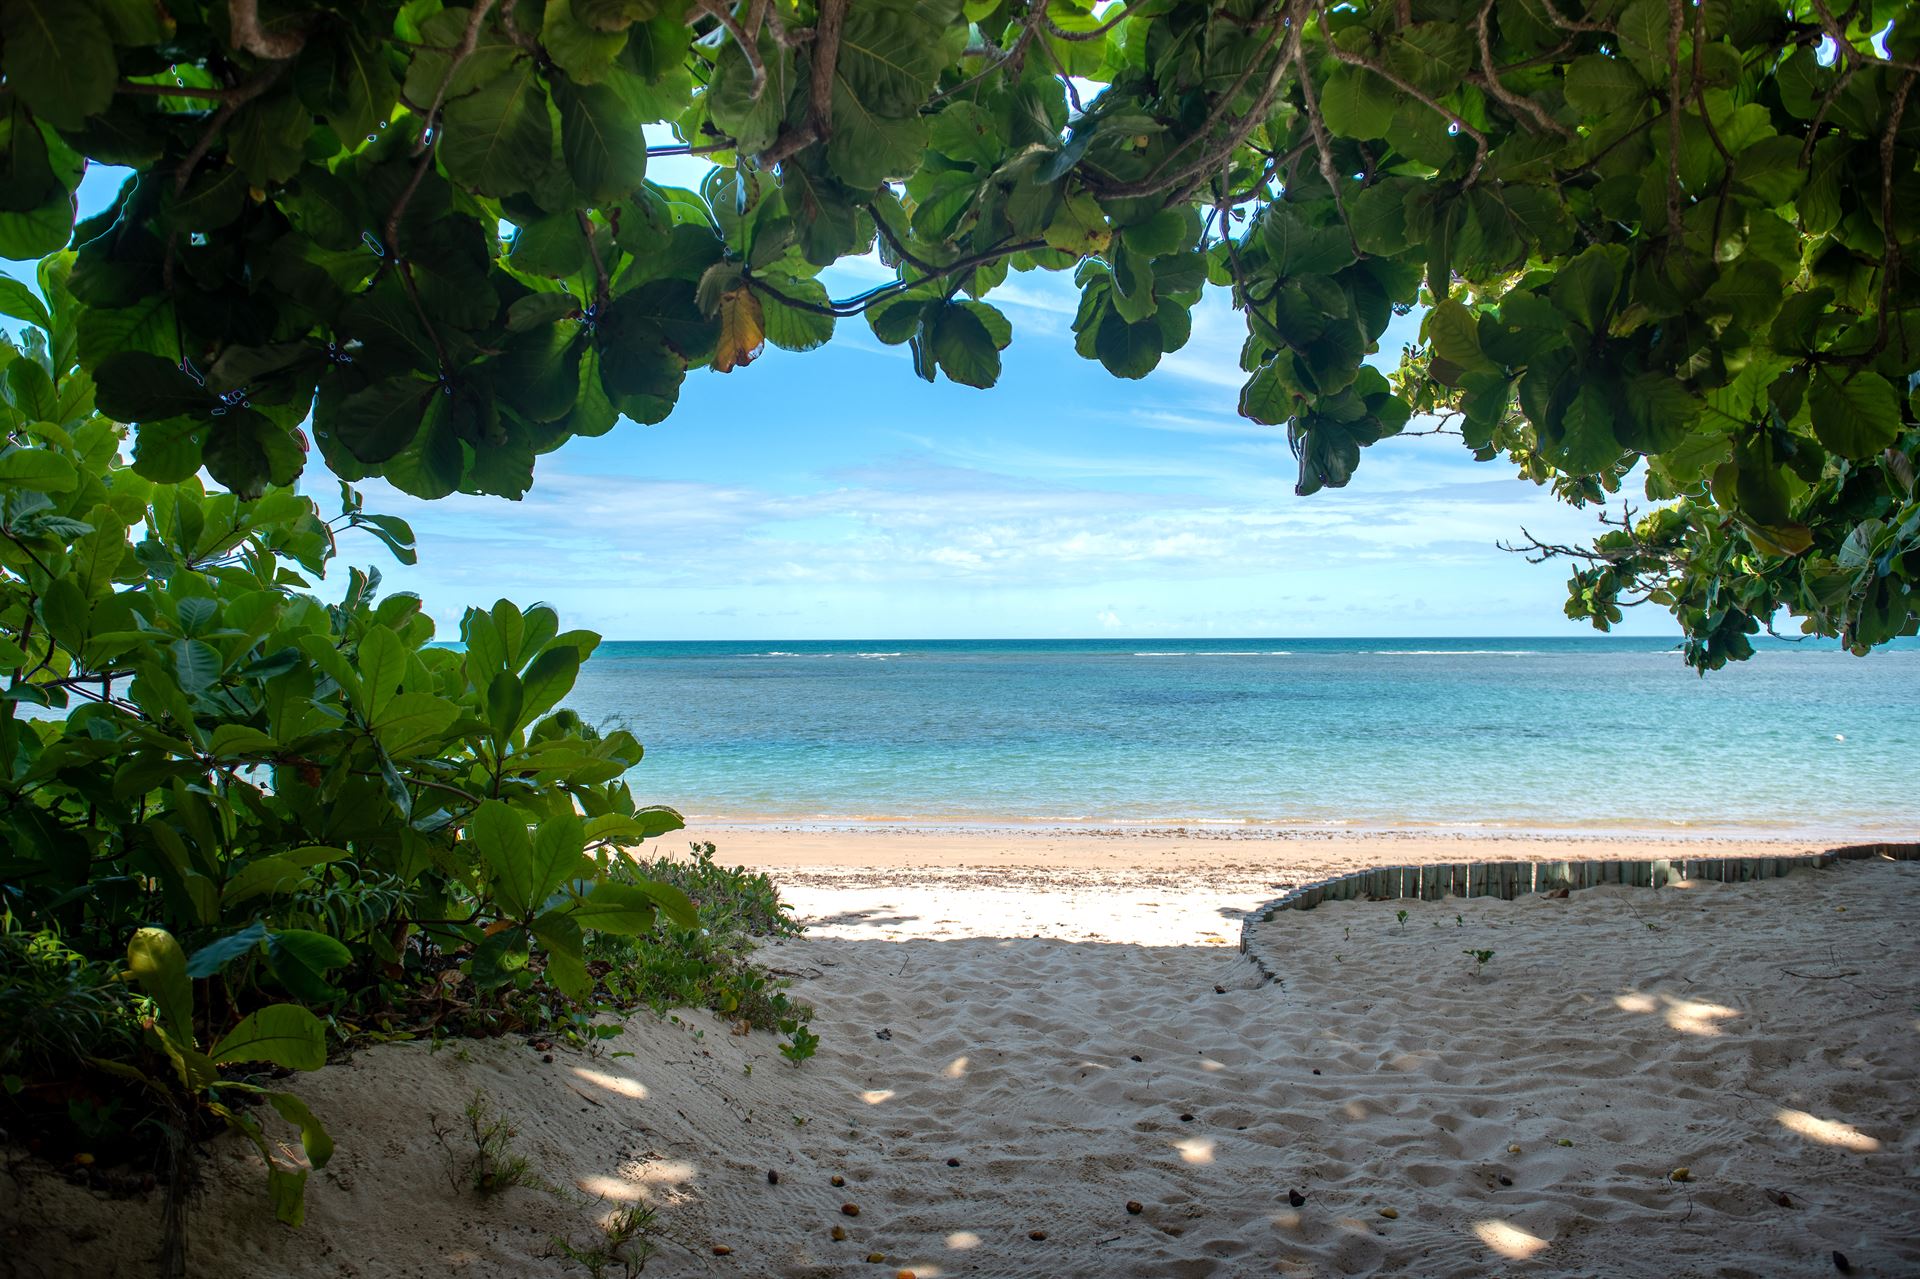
(1026, 1036)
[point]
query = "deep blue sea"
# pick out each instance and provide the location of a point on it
(1593, 733)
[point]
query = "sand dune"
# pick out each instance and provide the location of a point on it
(1016, 1051)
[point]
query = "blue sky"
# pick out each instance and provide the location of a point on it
(835, 495)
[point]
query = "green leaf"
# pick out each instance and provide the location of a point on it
(1856, 414)
(498, 139)
(216, 955)
(602, 141)
(284, 1034)
(867, 147)
(212, 200)
(1585, 288)
(1454, 335)
(59, 58)
(566, 968)
(313, 1137)
(156, 961)
(1296, 248)
(584, 52)
(301, 959)
(1357, 103)
(412, 720)
(1598, 85)
(1129, 350)
(547, 680)
(20, 302)
(269, 876)
(963, 346)
(134, 386)
(625, 910)
(888, 58)
(434, 462)
(39, 469)
(1268, 396)
(382, 660)
(378, 421)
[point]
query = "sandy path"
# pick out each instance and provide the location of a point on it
(1648, 1030)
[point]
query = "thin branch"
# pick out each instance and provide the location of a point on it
(749, 46)
(1204, 165)
(864, 301)
(1506, 97)
(239, 97)
(461, 52)
(1890, 240)
(1092, 34)
(1411, 90)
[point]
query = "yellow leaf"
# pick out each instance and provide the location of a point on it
(742, 330)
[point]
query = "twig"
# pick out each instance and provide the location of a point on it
(749, 47)
(1511, 100)
(461, 52)
(239, 97)
(593, 251)
(1411, 90)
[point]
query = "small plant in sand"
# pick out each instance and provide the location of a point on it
(1480, 958)
(802, 1043)
(627, 1242)
(1401, 915)
(493, 1166)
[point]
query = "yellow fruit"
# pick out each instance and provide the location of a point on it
(839, 1234)
(837, 1179)
(721, 1250)
(1389, 1213)
(1036, 1235)
(876, 1258)
(1683, 1174)
(1513, 1150)
(851, 1210)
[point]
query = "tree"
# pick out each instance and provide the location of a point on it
(1655, 242)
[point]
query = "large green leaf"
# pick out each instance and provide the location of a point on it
(498, 138)
(602, 141)
(156, 961)
(59, 57)
(1856, 414)
(284, 1034)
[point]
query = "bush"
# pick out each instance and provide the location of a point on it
(292, 820)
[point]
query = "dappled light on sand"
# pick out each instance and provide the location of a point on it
(619, 1085)
(1196, 1150)
(956, 1069)
(874, 1096)
(1508, 1240)
(1826, 1131)
(963, 1240)
(1689, 1016)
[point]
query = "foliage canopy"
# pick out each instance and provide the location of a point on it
(1654, 239)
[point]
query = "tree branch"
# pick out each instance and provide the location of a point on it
(1506, 97)
(250, 36)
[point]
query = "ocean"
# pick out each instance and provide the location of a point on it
(1593, 734)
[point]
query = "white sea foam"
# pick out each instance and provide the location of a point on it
(1454, 652)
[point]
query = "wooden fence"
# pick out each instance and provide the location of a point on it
(1508, 880)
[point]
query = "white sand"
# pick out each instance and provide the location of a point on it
(1765, 1035)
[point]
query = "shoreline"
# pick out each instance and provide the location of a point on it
(829, 852)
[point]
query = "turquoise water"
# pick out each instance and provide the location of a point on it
(1597, 733)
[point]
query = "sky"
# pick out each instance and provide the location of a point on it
(834, 495)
